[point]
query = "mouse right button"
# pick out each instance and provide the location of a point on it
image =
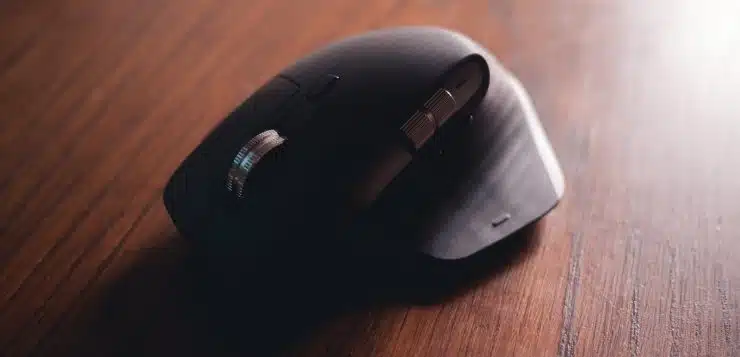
(323, 85)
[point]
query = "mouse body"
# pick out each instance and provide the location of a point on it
(424, 112)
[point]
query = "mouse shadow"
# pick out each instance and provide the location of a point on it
(238, 299)
(172, 301)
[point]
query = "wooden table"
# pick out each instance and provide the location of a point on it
(101, 99)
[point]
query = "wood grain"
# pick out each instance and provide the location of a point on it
(102, 99)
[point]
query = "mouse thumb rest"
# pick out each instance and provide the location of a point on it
(458, 87)
(457, 90)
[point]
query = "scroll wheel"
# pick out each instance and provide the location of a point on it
(425, 121)
(441, 105)
(248, 157)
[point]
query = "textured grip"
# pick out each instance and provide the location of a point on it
(419, 128)
(441, 105)
(248, 156)
(422, 125)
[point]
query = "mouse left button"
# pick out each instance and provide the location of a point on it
(257, 113)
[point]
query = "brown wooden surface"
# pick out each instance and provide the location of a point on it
(101, 99)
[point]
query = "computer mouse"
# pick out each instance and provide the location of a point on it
(421, 111)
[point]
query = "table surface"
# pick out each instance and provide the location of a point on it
(102, 99)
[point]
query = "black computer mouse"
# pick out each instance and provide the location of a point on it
(418, 120)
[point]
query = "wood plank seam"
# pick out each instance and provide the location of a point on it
(568, 335)
(98, 273)
(38, 314)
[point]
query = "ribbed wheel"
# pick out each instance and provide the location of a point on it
(247, 158)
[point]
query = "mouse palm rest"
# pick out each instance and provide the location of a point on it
(506, 176)
(471, 157)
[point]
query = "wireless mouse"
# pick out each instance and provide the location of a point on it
(424, 112)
